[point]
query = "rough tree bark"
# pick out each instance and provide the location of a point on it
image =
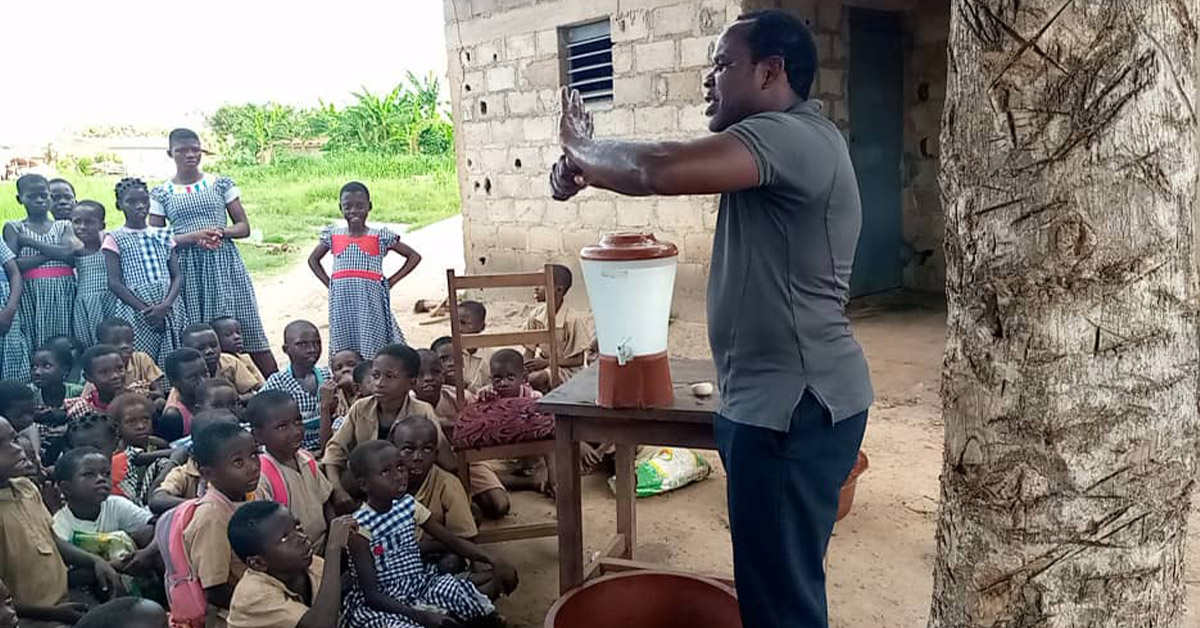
(1070, 377)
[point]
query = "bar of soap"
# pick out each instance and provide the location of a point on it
(702, 389)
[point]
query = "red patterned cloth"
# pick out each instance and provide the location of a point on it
(501, 422)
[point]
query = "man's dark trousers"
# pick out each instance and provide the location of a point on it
(783, 495)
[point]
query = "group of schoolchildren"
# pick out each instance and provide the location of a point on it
(143, 452)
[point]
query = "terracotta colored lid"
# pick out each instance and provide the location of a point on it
(622, 247)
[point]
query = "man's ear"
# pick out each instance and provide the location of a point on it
(773, 70)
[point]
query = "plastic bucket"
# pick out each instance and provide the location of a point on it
(653, 599)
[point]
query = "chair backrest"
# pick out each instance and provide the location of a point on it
(546, 338)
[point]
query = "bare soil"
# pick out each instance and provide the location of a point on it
(880, 561)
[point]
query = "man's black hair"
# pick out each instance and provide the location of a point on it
(181, 135)
(354, 186)
(94, 352)
(27, 180)
(474, 306)
(90, 205)
(444, 340)
(61, 180)
(111, 323)
(129, 183)
(245, 527)
(260, 406)
(177, 358)
(67, 465)
(209, 441)
(407, 356)
(776, 33)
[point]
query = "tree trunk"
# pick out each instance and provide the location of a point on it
(1070, 378)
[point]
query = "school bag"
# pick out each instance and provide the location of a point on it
(270, 471)
(185, 594)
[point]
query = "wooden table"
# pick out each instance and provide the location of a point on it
(687, 423)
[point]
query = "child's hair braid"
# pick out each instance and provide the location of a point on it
(128, 183)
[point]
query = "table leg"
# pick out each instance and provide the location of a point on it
(570, 506)
(626, 495)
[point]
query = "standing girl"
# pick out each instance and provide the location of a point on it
(45, 250)
(13, 344)
(62, 199)
(217, 283)
(143, 273)
(360, 302)
(93, 301)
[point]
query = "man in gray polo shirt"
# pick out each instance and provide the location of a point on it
(794, 385)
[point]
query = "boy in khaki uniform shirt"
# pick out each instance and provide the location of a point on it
(31, 555)
(575, 337)
(229, 335)
(371, 418)
(285, 585)
(228, 459)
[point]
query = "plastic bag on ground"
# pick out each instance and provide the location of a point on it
(663, 469)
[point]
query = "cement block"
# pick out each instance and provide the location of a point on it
(573, 243)
(655, 120)
(541, 129)
(635, 213)
(539, 75)
(696, 51)
(691, 278)
(532, 211)
(510, 186)
(673, 19)
(495, 261)
(829, 16)
(658, 55)
(513, 238)
(545, 239)
(598, 213)
(613, 123)
(522, 103)
(622, 55)
(630, 26)
(548, 43)
(830, 81)
(473, 82)
(684, 86)
(502, 211)
(521, 46)
(633, 90)
(699, 247)
(562, 214)
(476, 134)
(692, 121)
(710, 219)
(711, 19)
(501, 78)
(680, 214)
(507, 131)
(489, 52)
(492, 159)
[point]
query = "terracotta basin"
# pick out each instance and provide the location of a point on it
(650, 599)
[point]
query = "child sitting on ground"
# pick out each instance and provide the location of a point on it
(302, 378)
(141, 372)
(229, 334)
(503, 414)
(18, 404)
(432, 486)
(72, 346)
(228, 459)
(143, 457)
(33, 560)
(472, 319)
(432, 389)
(371, 418)
(390, 585)
(289, 473)
(104, 371)
(203, 338)
(574, 336)
(51, 391)
(215, 393)
(285, 585)
(186, 368)
(84, 478)
(125, 612)
(339, 392)
(183, 482)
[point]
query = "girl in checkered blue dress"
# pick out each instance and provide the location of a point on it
(45, 250)
(14, 347)
(391, 587)
(360, 299)
(144, 275)
(199, 207)
(93, 301)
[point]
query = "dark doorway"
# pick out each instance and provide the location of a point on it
(876, 95)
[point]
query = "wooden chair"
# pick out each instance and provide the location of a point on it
(547, 339)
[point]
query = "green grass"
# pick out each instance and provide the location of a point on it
(291, 199)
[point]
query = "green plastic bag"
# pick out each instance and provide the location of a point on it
(663, 469)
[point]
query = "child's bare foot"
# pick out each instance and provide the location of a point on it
(541, 478)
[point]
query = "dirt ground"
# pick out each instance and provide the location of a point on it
(881, 557)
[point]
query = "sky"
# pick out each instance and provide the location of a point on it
(164, 63)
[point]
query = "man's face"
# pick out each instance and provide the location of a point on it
(733, 80)
(122, 339)
(431, 378)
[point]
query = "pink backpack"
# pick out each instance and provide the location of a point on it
(185, 594)
(270, 471)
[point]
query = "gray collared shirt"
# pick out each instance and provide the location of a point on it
(780, 279)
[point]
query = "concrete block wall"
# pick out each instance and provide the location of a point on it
(505, 70)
